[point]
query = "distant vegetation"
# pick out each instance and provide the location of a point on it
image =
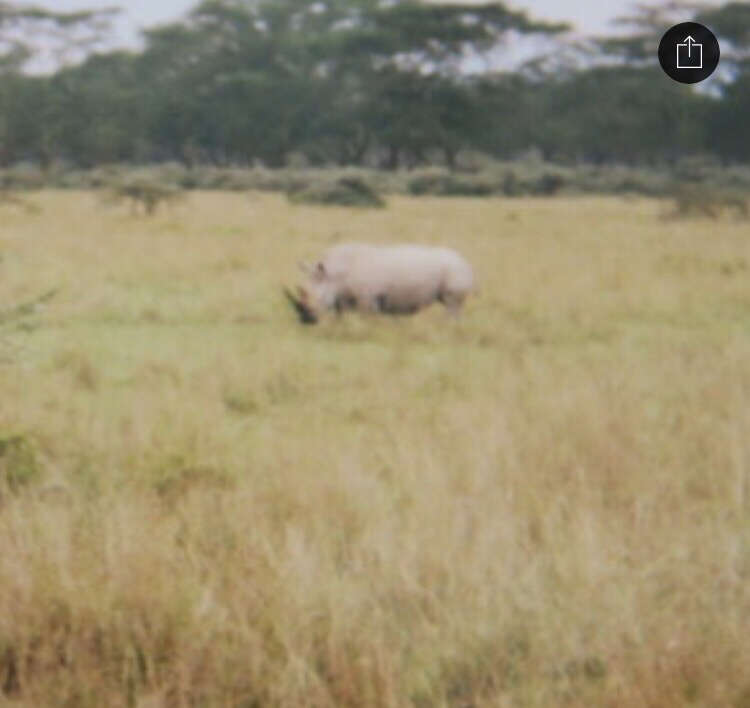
(692, 200)
(696, 186)
(344, 191)
(292, 83)
(346, 102)
(144, 193)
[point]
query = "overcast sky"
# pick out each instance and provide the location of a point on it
(588, 16)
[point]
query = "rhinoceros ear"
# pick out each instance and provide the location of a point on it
(316, 272)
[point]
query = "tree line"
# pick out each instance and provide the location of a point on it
(352, 82)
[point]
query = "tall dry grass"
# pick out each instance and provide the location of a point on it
(545, 504)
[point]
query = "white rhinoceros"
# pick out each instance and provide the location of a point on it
(394, 280)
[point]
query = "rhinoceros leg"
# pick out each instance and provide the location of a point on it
(389, 307)
(344, 302)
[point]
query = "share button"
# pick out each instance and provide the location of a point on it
(689, 52)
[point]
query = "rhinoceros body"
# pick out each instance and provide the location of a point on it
(395, 280)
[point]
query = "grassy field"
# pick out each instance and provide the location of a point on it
(204, 504)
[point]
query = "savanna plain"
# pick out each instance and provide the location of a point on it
(204, 503)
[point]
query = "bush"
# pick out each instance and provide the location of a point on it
(701, 200)
(616, 179)
(344, 191)
(148, 186)
(22, 176)
(18, 462)
(9, 198)
(442, 183)
(696, 168)
(23, 309)
(143, 192)
(548, 184)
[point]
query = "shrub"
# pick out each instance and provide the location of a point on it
(146, 187)
(344, 191)
(443, 183)
(701, 200)
(11, 198)
(23, 176)
(176, 475)
(18, 462)
(616, 179)
(23, 309)
(548, 184)
(142, 192)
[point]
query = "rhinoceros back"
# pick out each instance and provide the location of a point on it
(399, 278)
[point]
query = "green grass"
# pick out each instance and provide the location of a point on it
(546, 503)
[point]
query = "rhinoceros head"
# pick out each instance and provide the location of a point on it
(319, 293)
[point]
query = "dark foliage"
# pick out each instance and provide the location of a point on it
(359, 82)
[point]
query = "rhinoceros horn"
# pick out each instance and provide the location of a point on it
(301, 305)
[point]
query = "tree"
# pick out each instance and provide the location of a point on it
(731, 23)
(626, 114)
(728, 122)
(257, 79)
(645, 26)
(366, 81)
(404, 67)
(67, 34)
